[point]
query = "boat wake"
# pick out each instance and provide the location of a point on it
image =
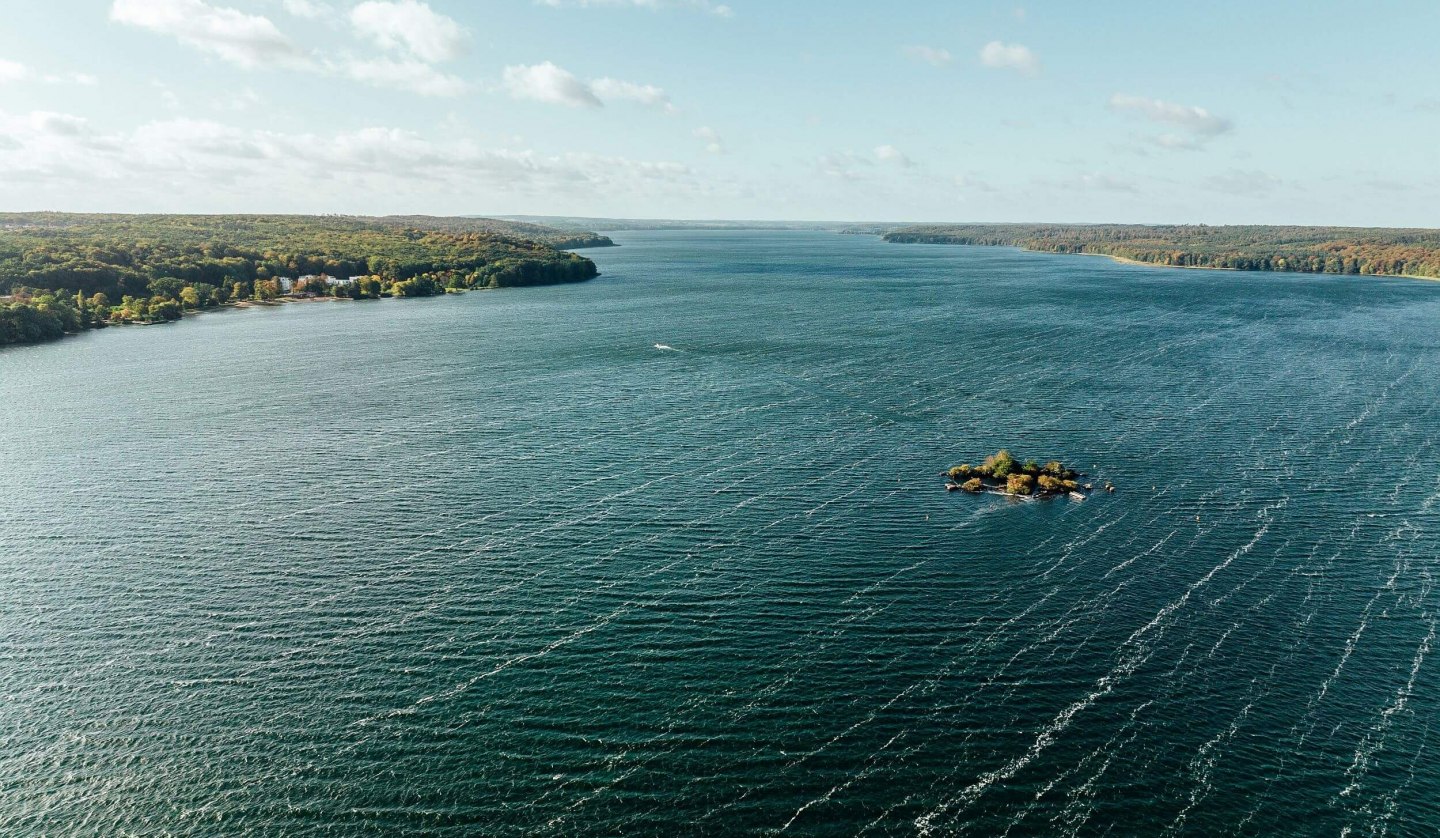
(666, 348)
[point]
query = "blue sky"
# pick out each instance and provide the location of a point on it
(1218, 112)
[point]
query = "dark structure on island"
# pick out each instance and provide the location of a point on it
(1001, 473)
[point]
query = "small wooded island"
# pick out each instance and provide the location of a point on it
(1001, 473)
(63, 273)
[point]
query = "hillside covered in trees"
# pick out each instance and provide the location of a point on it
(1329, 250)
(62, 273)
(565, 239)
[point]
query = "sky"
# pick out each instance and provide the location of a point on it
(1222, 112)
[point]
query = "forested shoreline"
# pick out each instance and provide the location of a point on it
(65, 273)
(1367, 251)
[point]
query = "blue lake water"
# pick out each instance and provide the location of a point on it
(495, 564)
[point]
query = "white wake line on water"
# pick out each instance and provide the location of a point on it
(675, 722)
(1374, 741)
(463, 686)
(666, 347)
(1064, 622)
(1103, 687)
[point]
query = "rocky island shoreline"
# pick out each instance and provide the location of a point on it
(1002, 473)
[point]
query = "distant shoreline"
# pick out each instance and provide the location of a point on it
(1128, 261)
(1335, 251)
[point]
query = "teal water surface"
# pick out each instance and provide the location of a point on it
(496, 564)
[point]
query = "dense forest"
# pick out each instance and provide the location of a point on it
(1329, 250)
(63, 273)
(566, 239)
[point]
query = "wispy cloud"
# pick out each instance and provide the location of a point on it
(243, 39)
(63, 155)
(309, 9)
(1017, 57)
(711, 138)
(62, 124)
(893, 155)
(1247, 183)
(1093, 182)
(403, 74)
(13, 71)
(550, 84)
(934, 56)
(970, 183)
(416, 36)
(612, 90)
(1198, 122)
(84, 79)
(717, 9)
(546, 82)
(411, 27)
(845, 165)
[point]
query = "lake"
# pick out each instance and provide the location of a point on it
(496, 564)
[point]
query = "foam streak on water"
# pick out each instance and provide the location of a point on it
(503, 564)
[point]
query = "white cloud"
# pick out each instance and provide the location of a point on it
(711, 138)
(83, 79)
(12, 71)
(56, 159)
(410, 26)
(609, 90)
(1175, 142)
(934, 56)
(243, 39)
(546, 82)
(64, 124)
(1092, 182)
(246, 99)
(1250, 183)
(550, 84)
(717, 9)
(1194, 120)
(1001, 56)
(891, 154)
(968, 183)
(253, 41)
(167, 95)
(308, 9)
(845, 165)
(404, 74)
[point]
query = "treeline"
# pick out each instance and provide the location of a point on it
(1328, 250)
(62, 273)
(563, 239)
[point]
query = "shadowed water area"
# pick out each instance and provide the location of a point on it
(495, 564)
